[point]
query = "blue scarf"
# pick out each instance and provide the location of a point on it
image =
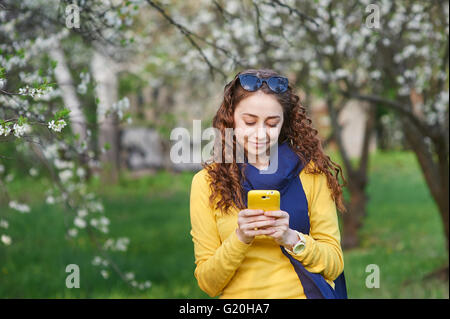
(286, 180)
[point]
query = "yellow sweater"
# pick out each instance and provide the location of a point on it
(230, 268)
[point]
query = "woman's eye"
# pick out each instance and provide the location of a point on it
(271, 125)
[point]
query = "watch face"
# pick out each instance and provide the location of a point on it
(300, 244)
(299, 247)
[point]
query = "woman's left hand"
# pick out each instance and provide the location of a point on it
(282, 234)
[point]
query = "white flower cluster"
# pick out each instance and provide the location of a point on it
(49, 94)
(50, 200)
(30, 78)
(19, 130)
(23, 208)
(104, 273)
(33, 92)
(94, 206)
(340, 73)
(4, 130)
(57, 126)
(120, 106)
(12, 62)
(33, 172)
(99, 261)
(143, 285)
(85, 79)
(6, 240)
(442, 103)
(79, 222)
(102, 222)
(120, 244)
(4, 223)
(113, 19)
(73, 232)
(65, 175)
(61, 164)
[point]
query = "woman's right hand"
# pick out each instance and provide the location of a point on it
(248, 220)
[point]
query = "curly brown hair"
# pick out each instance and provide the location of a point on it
(226, 178)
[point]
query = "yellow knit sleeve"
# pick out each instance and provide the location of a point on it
(322, 253)
(216, 261)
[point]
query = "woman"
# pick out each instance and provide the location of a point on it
(291, 253)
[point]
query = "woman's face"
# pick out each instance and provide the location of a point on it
(258, 120)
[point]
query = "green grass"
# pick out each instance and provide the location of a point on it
(402, 234)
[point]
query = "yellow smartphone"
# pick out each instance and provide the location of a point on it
(263, 199)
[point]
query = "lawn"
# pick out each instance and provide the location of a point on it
(402, 234)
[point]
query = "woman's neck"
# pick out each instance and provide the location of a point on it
(261, 163)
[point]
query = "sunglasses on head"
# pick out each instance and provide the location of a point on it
(251, 82)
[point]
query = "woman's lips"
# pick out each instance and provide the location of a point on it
(259, 145)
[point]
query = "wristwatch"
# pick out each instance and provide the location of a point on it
(300, 245)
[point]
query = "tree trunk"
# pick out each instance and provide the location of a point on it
(104, 72)
(356, 177)
(435, 172)
(356, 211)
(69, 95)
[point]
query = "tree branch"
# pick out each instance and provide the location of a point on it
(423, 127)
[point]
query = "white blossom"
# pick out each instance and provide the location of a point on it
(19, 130)
(4, 130)
(65, 175)
(341, 73)
(129, 276)
(82, 213)
(60, 164)
(94, 206)
(22, 208)
(104, 220)
(375, 74)
(81, 172)
(79, 222)
(94, 222)
(4, 223)
(85, 79)
(120, 106)
(57, 126)
(6, 240)
(50, 200)
(442, 102)
(97, 261)
(34, 92)
(33, 171)
(120, 244)
(73, 232)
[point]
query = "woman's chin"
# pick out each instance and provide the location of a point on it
(260, 152)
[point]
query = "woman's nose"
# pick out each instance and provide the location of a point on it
(262, 132)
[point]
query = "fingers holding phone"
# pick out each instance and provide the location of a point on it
(253, 222)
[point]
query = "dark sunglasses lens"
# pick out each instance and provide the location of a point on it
(278, 84)
(249, 82)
